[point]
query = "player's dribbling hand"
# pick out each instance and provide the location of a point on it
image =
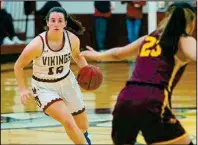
(26, 97)
(90, 53)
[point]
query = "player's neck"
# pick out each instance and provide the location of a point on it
(55, 37)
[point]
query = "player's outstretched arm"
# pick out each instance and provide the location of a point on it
(114, 54)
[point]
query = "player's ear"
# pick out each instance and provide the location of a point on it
(47, 22)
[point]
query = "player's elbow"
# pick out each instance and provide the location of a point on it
(17, 67)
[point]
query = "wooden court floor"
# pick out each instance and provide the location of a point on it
(28, 125)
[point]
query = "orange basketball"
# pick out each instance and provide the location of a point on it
(90, 77)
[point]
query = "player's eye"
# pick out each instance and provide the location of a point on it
(52, 20)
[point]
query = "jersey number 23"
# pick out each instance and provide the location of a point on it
(150, 48)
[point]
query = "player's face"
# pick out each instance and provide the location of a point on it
(56, 22)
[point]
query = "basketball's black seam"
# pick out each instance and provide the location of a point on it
(96, 82)
(90, 79)
(93, 69)
(80, 77)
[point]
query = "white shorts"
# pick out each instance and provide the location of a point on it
(67, 89)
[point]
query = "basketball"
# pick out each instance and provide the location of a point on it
(90, 77)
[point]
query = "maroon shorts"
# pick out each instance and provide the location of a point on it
(142, 107)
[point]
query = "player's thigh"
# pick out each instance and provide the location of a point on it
(124, 130)
(165, 128)
(74, 101)
(72, 95)
(73, 98)
(185, 140)
(60, 112)
(125, 125)
(44, 97)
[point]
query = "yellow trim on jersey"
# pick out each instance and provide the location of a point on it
(172, 140)
(165, 102)
(178, 64)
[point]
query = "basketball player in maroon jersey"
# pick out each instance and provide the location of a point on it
(162, 55)
(54, 85)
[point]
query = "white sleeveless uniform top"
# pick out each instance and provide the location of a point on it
(53, 65)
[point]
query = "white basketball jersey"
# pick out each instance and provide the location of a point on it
(52, 64)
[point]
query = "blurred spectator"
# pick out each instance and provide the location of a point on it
(7, 32)
(29, 7)
(133, 19)
(102, 14)
(162, 4)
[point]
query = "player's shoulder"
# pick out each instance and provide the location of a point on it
(34, 47)
(73, 38)
(37, 41)
(42, 33)
(71, 35)
(185, 39)
(35, 44)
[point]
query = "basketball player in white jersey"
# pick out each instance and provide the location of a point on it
(54, 86)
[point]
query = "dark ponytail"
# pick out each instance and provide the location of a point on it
(174, 30)
(73, 25)
(176, 26)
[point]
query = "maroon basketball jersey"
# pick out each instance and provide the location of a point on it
(156, 65)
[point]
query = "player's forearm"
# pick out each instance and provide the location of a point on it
(121, 53)
(109, 55)
(81, 61)
(19, 74)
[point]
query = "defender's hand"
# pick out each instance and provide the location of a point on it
(90, 53)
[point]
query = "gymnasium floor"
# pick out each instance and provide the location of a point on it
(28, 125)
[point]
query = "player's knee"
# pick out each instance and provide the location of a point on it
(69, 124)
